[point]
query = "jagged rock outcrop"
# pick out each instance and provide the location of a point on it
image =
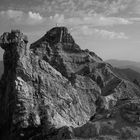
(52, 89)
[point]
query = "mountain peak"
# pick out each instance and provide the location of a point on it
(58, 37)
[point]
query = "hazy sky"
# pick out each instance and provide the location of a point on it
(110, 28)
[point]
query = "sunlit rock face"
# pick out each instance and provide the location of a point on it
(55, 90)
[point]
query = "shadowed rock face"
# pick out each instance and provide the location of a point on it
(52, 89)
(1, 68)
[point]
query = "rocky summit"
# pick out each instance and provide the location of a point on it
(54, 90)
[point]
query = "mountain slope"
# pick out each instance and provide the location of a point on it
(54, 90)
(128, 74)
(128, 70)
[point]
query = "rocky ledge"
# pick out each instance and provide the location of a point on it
(54, 90)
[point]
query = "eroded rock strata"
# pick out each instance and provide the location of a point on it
(54, 90)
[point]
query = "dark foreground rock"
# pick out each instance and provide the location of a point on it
(54, 90)
(1, 68)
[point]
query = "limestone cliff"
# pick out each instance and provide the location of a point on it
(55, 90)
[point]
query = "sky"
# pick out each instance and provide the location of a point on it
(110, 28)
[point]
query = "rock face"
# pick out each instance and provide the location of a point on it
(1, 68)
(54, 90)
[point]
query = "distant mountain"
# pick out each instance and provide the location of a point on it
(125, 64)
(128, 74)
(128, 70)
(1, 68)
